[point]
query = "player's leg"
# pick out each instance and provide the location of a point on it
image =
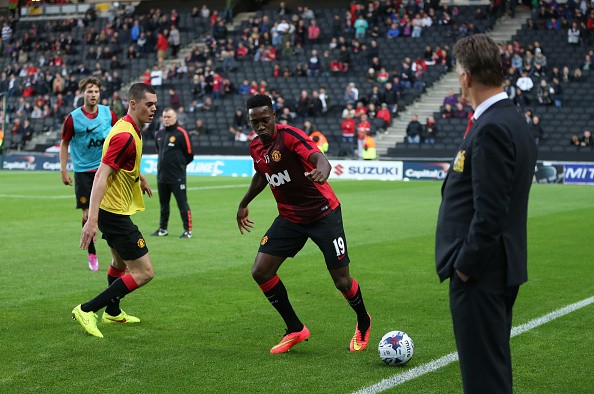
(164, 199)
(180, 194)
(329, 235)
(129, 249)
(83, 183)
(283, 239)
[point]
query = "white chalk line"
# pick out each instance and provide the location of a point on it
(154, 191)
(450, 358)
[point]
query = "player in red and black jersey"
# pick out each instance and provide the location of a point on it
(296, 170)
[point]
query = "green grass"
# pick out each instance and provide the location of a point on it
(206, 327)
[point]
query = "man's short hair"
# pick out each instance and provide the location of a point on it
(82, 85)
(259, 100)
(479, 55)
(139, 90)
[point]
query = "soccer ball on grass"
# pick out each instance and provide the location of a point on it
(396, 348)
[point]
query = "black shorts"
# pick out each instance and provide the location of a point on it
(285, 238)
(83, 183)
(122, 235)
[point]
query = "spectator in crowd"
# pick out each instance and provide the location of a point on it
(390, 97)
(313, 32)
(313, 64)
(239, 122)
(385, 114)
(451, 98)
(525, 82)
(543, 93)
(460, 112)
(320, 140)
(414, 130)
(537, 130)
(557, 92)
(199, 128)
(574, 35)
(586, 139)
(161, 47)
(447, 111)
(575, 140)
(363, 130)
(431, 130)
(348, 132)
(361, 25)
(174, 100)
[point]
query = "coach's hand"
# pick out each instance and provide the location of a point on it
(144, 186)
(89, 233)
(243, 221)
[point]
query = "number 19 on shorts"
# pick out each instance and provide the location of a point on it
(339, 246)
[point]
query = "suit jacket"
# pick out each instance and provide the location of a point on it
(483, 212)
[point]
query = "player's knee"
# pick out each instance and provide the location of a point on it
(343, 284)
(260, 274)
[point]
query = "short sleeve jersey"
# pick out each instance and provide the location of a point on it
(283, 161)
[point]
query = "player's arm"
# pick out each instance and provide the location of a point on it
(321, 173)
(258, 184)
(63, 161)
(144, 186)
(89, 231)
(67, 133)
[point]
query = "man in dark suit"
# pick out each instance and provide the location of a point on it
(480, 240)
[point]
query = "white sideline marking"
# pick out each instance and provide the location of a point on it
(154, 191)
(450, 358)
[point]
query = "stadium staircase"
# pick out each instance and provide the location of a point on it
(431, 101)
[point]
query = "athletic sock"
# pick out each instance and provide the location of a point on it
(115, 292)
(355, 300)
(276, 293)
(91, 249)
(112, 275)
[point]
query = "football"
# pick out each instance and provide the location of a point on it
(396, 348)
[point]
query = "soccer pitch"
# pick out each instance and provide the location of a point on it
(206, 326)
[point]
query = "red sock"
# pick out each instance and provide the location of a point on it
(130, 282)
(270, 284)
(353, 291)
(116, 272)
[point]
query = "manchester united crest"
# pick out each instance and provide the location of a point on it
(83, 200)
(141, 243)
(459, 161)
(276, 155)
(264, 240)
(172, 139)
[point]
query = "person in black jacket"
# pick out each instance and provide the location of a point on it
(175, 153)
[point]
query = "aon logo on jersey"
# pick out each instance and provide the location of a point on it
(278, 179)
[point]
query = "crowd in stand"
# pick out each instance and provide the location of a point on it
(209, 69)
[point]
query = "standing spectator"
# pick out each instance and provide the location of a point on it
(175, 153)
(348, 132)
(385, 114)
(313, 64)
(363, 130)
(431, 130)
(414, 130)
(313, 32)
(574, 35)
(417, 26)
(304, 104)
(537, 131)
(6, 33)
(360, 26)
(161, 47)
(174, 40)
(174, 101)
